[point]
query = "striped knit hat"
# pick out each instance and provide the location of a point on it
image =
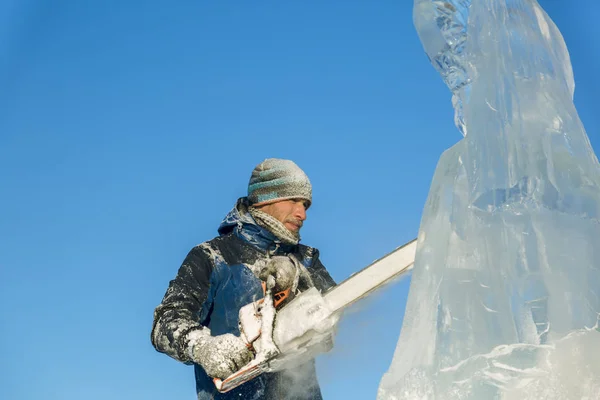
(275, 179)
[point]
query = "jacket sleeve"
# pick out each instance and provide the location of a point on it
(319, 274)
(179, 312)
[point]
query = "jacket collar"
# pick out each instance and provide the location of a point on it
(240, 222)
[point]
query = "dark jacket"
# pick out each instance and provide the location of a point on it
(213, 283)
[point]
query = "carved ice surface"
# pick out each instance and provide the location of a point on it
(504, 299)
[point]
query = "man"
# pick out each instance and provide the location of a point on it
(197, 321)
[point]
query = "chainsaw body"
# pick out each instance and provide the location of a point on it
(285, 331)
(302, 328)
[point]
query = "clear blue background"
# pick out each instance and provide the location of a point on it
(128, 129)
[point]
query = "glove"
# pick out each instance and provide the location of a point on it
(282, 269)
(221, 355)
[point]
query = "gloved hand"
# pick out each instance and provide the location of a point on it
(221, 355)
(282, 269)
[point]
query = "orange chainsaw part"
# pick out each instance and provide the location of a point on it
(278, 297)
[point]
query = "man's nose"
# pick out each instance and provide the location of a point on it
(300, 211)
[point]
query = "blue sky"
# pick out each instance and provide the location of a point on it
(129, 129)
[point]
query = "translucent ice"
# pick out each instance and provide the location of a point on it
(504, 300)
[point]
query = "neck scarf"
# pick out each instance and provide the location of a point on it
(274, 226)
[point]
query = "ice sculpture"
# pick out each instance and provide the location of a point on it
(504, 299)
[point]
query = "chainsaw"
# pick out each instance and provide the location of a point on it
(284, 330)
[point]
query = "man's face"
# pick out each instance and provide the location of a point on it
(291, 213)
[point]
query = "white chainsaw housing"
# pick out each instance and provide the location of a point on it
(302, 323)
(304, 327)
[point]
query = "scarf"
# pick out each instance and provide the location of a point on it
(274, 226)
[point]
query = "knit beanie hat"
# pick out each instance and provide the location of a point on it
(276, 179)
